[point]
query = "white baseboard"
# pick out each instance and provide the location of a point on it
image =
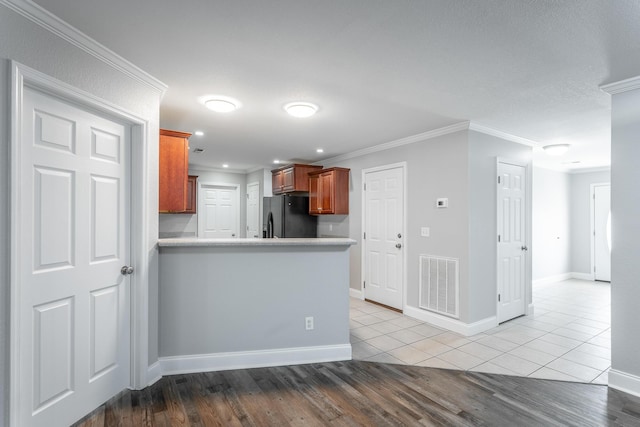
(466, 329)
(254, 359)
(562, 277)
(624, 382)
(154, 373)
(552, 279)
(356, 293)
(530, 310)
(583, 276)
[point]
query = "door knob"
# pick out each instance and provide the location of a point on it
(126, 269)
(399, 236)
(398, 245)
(524, 248)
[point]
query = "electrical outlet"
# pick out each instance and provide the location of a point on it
(308, 323)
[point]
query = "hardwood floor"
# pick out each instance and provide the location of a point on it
(367, 394)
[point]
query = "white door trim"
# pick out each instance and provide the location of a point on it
(529, 308)
(250, 184)
(592, 225)
(21, 77)
(402, 165)
(201, 204)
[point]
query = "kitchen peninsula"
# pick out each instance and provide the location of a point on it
(240, 303)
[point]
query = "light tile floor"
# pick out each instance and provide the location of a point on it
(568, 338)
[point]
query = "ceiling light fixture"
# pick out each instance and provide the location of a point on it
(556, 149)
(220, 103)
(225, 165)
(276, 161)
(319, 150)
(199, 133)
(301, 109)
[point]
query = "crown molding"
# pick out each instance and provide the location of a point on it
(622, 86)
(207, 169)
(590, 170)
(500, 134)
(57, 26)
(457, 127)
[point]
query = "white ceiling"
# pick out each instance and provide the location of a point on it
(379, 70)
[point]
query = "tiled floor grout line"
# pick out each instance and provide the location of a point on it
(574, 354)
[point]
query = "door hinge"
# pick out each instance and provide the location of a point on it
(498, 180)
(498, 297)
(364, 237)
(498, 238)
(247, 195)
(365, 187)
(364, 284)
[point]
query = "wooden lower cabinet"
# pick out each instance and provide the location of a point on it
(329, 192)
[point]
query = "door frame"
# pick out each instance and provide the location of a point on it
(528, 290)
(592, 224)
(259, 207)
(236, 187)
(139, 150)
(363, 250)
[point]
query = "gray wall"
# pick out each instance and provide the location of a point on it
(483, 153)
(29, 44)
(435, 168)
(581, 218)
(461, 167)
(625, 214)
(251, 298)
(551, 240)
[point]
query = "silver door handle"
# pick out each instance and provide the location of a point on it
(398, 245)
(126, 269)
(524, 248)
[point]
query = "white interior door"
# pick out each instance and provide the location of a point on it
(73, 234)
(253, 210)
(383, 239)
(512, 245)
(602, 232)
(218, 214)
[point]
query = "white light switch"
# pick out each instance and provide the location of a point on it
(442, 202)
(424, 231)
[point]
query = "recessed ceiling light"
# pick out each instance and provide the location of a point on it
(276, 161)
(556, 149)
(301, 109)
(319, 150)
(225, 165)
(199, 133)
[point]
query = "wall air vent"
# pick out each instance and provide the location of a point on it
(198, 150)
(439, 285)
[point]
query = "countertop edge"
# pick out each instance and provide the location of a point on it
(198, 242)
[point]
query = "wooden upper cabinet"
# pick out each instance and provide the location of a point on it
(192, 194)
(329, 192)
(173, 170)
(291, 178)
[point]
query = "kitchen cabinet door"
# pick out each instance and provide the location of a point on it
(173, 171)
(329, 192)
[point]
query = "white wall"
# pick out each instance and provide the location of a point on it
(551, 239)
(29, 44)
(186, 225)
(625, 256)
(581, 218)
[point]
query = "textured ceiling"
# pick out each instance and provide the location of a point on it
(379, 70)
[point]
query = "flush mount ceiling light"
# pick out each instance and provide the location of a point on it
(199, 133)
(319, 150)
(301, 109)
(556, 149)
(219, 103)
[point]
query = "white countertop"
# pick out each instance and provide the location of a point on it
(195, 241)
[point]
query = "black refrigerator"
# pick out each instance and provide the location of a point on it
(288, 216)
